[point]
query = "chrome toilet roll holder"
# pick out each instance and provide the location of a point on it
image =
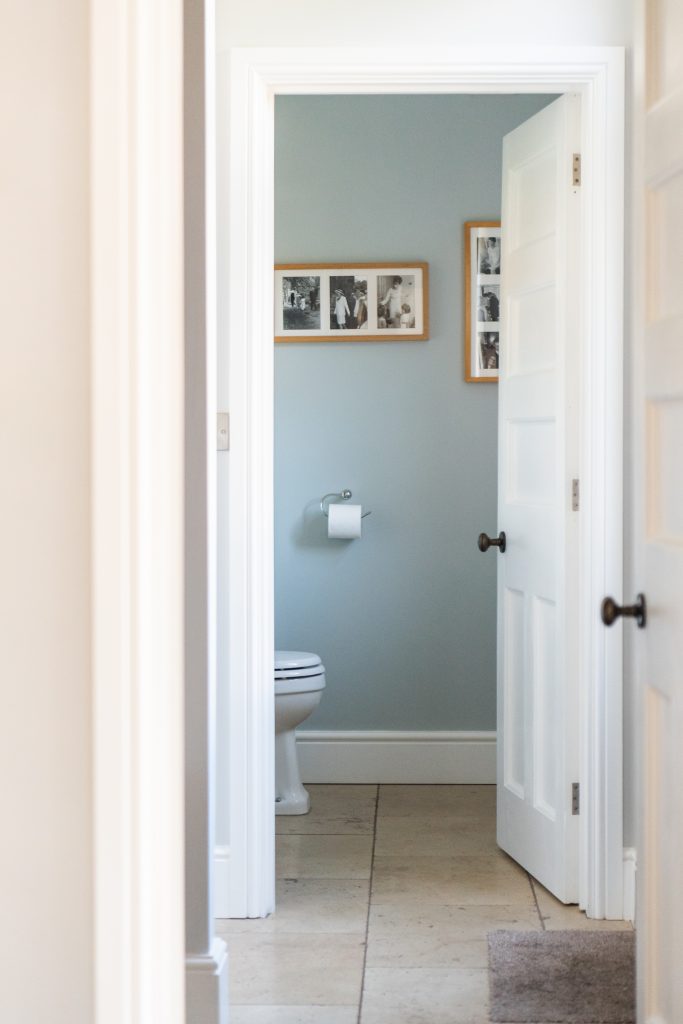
(343, 496)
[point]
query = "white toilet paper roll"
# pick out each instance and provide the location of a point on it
(344, 521)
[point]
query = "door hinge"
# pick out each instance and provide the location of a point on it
(223, 431)
(575, 496)
(576, 797)
(576, 169)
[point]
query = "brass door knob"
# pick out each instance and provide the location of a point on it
(485, 542)
(610, 611)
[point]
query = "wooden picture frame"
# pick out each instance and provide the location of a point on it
(374, 301)
(482, 301)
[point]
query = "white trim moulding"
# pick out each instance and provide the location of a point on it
(207, 984)
(136, 119)
(426, 758)
(255, 77)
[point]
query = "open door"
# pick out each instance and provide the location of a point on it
(659, 533)
(538, 451)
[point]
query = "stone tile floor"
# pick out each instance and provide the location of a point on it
(384, 898)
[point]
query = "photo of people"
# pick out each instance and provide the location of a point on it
(488, 255)
(396, 301)
(348, 303)
(301, 303)
(352, 302)
(488, 350)
(482, 308)
(488, 303)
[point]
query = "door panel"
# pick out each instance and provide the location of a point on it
(538, 458)
(659, 533)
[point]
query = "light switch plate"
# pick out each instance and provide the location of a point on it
(223, 431)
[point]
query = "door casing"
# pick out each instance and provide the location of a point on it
(249, 80)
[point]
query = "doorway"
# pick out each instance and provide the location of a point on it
(403, 618)
(244, 859)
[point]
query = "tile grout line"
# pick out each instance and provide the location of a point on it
(316, 835)
(367, 919)
(533, 893)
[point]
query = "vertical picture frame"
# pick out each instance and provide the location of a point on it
(482, 301)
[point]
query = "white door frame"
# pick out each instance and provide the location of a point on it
(246, 330)
(137, 481)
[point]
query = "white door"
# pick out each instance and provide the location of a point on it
(659, 534)
(538, 450)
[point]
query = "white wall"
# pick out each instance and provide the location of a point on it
(452, 22)
(45, 756)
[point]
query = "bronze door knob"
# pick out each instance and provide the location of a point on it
(610, 611)
(485, 542)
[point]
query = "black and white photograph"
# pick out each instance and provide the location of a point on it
(488, 303)
(488, 350)
(351, 302)
(488, 255)
(395, 301)
(301, 303)
(348, 303)
(482, 301)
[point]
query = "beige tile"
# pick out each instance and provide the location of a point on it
(430, 935)
(293, 1014)
(557, 916)
(310, 905)
(442, 801)
(490, 880)
(295, 970)
(424, 996)
(435, 837)
(335, 810)
(324, 856)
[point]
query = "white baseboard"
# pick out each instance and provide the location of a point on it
(206, 986)
(630, 868)
(397, 757)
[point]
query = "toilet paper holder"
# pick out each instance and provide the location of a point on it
(343, 495)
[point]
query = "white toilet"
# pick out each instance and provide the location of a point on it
(299, 683)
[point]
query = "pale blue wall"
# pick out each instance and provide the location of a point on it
(404, 618)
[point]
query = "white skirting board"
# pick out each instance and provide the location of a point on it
(397, 757)
(630, 868)
(206, 986)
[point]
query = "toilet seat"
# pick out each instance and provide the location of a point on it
(293, 660)
(298, 672)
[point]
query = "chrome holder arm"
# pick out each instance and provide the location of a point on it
(343, 496)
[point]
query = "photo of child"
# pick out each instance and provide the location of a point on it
(407, 317)
(396, 301)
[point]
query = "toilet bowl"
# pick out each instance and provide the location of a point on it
(299, 683)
